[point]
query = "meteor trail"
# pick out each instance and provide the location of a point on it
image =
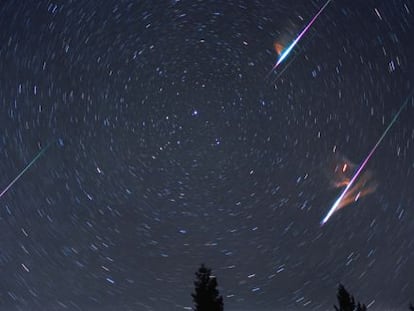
(41, 152)
(292, 45)
(361, 167)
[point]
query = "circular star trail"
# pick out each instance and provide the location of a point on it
(165, 144)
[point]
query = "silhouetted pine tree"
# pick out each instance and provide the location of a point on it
(206, 296)
(361, 307)
(347, 301)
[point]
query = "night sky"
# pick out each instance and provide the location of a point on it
(166, 144)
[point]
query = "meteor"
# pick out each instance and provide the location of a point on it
(334, 207)
(286, 52)
(41, 152)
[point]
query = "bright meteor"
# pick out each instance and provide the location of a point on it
(286, 52)
(41, 152)
(334, 207)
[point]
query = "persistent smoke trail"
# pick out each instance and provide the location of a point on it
(302, 33)
(41, 152)
(361, 167)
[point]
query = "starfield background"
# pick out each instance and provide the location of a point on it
(140, 139)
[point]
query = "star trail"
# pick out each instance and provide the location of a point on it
(170, 148)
